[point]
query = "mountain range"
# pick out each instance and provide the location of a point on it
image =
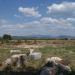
(44, 37)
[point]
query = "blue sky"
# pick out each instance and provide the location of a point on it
(37, 17)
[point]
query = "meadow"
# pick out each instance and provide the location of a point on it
(62, 48)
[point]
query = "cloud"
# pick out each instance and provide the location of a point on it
(43, 23)
(42, 26)
(3, 21)
(71, 19)
(29, 12)
(64, 9)
(55, 21)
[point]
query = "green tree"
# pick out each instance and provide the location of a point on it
(0, 38)
(7, 37)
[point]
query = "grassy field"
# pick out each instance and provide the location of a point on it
(62, 48)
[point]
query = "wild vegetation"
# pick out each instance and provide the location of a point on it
(62, 48)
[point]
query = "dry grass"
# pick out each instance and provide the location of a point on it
(62, 48)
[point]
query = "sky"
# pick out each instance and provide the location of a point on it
(37, 17)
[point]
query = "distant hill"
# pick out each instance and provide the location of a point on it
(43, 37)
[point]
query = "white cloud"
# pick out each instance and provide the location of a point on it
(71, 19)
(54, 21)
(3, 21)
(45, 25)
(64, 9)
(48, 20)
(29, 11)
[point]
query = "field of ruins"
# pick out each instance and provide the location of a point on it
(61, 48)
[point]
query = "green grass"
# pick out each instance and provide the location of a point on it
(66, 51)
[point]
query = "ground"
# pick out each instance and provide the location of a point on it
(62, 48)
